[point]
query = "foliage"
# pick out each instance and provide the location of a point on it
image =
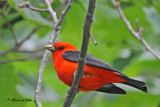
(115, 45)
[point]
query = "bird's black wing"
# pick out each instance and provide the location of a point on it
(111, 88)
(90, 60)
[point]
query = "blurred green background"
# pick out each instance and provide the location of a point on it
(115, 45)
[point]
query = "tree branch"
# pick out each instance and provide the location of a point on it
(22, 59)
(53, 14)
(53, 36)
(11, 28)
(26, 51)
(30, 35)
(61, 6)
(95, 42)
(81, 63)
(18, 45)
(137, 34)
(37, 9)
(8, 51)
(27, 5)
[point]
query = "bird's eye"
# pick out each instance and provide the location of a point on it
(61, 48)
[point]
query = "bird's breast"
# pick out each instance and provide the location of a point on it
(65, 69)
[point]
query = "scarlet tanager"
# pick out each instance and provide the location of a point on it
(98, 75)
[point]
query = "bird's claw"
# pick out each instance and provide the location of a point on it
(75, 75)
(68, 92)
(83, 76)
(77, 91)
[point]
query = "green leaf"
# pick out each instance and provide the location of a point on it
(28, 89)
(153, 17)
(29, 14)
(9, 81)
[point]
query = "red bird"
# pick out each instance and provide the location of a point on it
(98, 75)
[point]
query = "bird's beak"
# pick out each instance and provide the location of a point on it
(49, 47)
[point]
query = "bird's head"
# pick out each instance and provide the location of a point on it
(61, 47)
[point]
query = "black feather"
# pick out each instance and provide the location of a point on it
(136, 84)
(90, 60)
(111, 88)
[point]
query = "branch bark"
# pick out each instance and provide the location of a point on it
(62, 5)
(10, 27)
(53, 13)
(53, 36)
(30, 35)
(37, 9)
(27, 5)
(21, 59)
(18, 45)
(8, 51)
(26, 51)
(81, 63)
(137, 34)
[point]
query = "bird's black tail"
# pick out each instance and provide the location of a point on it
(136, 84)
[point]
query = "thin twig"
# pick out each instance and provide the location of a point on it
(26, 51)
(61, 6)
(10, 27)
(8, 51)
(53, 14)
(53, 36)
(30, 34)
(16, 47)
(95, 42)
(81, 63)
(27, 5)
(37, 9)
(22, 59)
(139, 29)
(133, 32)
